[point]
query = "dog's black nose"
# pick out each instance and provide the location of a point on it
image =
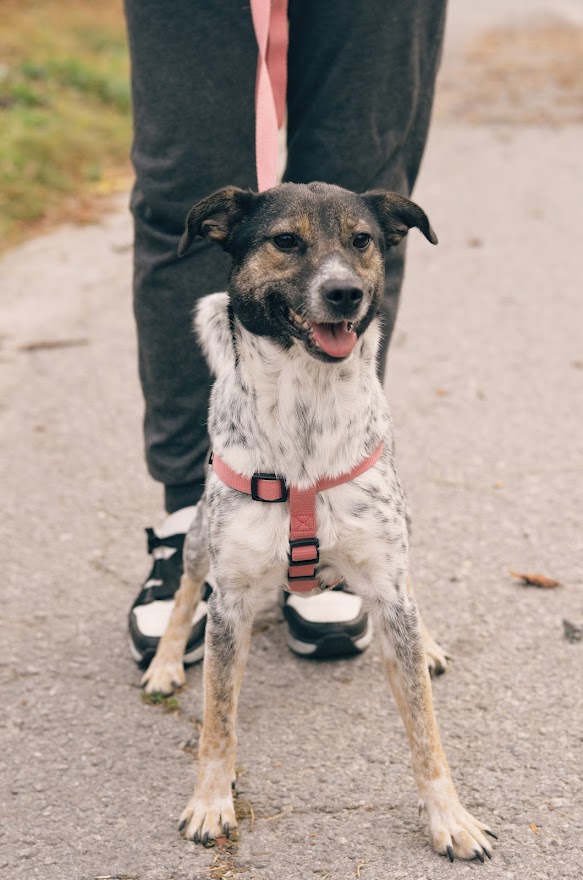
(343, 296)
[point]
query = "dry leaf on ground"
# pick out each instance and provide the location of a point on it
(535, 580)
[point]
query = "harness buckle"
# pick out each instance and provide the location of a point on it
(303, 542)
(273, 478)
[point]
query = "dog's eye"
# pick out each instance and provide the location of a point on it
(361, 241)
(285, 242)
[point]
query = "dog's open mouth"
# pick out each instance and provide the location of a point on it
(335, 339)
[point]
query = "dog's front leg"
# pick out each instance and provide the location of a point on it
(210, 813)
(166, 671)
(453, 830)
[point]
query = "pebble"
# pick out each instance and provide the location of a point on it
(573, 629)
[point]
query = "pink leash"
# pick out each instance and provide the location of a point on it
(303, 544)
(271, 30)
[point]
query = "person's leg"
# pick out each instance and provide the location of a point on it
(193, 79)
(361, 76)
(193, 82)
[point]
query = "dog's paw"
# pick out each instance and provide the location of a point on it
(162, 677)
(204, 820)
(457, 834)
(435, 655)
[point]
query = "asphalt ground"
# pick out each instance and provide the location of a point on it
(486, 385)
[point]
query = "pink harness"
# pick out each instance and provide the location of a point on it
(303, 544)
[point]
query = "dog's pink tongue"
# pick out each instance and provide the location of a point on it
(335, 339)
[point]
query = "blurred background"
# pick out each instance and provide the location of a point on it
(65, 95)
(64, 112)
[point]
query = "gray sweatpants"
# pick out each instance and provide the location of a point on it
(361, 76)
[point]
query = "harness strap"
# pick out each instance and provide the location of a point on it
(304, 554)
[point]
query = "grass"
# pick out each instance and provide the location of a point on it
(64, 112)
(169, 704)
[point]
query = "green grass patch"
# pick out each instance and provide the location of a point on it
(169, 704)
(64, 112)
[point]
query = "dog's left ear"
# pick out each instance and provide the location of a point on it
(215, 217)
(397, 215)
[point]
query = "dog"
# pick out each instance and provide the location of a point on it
(292, 346)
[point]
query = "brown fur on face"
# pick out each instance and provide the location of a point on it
(265, 267)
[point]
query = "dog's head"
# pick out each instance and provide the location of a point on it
(308, 259)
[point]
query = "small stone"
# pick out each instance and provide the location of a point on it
(573, 629)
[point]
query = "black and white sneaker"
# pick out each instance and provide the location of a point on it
(331, 624)
(150, 613)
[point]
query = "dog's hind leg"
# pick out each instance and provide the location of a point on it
(453, 830)
(210, 813)
(434, 654)
(166, 671)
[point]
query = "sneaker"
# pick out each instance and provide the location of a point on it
(150, 613)
(331, 624)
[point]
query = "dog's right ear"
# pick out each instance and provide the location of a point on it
(215, 217)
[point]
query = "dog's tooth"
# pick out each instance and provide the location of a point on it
(299, 322)
(349, 325)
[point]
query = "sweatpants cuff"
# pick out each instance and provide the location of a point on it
(182, 495)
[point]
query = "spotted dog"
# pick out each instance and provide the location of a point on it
(293, 347)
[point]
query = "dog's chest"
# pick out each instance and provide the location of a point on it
(354, 522)
(282, 412)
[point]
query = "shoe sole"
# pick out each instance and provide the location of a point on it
(337, 645)
(144, 660)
